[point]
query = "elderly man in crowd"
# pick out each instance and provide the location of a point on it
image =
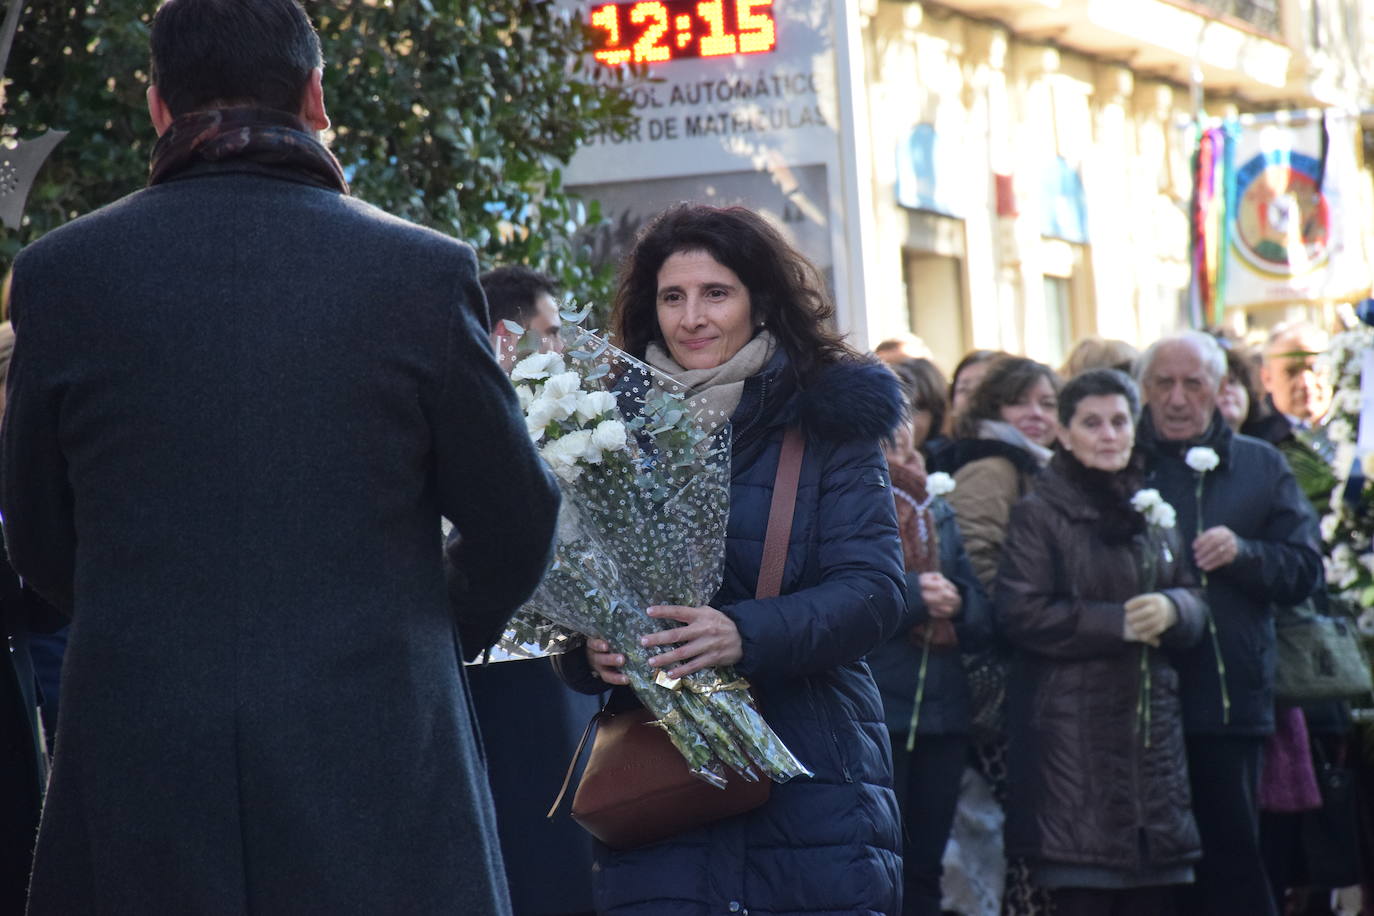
(240, 402)
(1254, 544)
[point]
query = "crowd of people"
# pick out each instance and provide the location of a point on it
(1023, 637)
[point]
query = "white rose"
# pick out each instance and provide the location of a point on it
(610, 436)
(1201, 459)
(537, 366)
(939, 484)
(595, 403)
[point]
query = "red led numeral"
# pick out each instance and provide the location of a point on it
(607, 18)
(757, 31)
(647, 49)
(717, 42)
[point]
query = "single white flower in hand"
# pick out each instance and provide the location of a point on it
(1201, 459)
(1143, 500)
(939, 484)
(610, 436)
(594, 404)
(537, 366)
(1162, 516)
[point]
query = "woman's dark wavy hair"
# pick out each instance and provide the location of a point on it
(1009, 378)
(786, 292)
(1240, 365)
(924, 386)
(1097, 382)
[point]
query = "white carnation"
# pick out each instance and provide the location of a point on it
(1143, 500)
(594, 404)
(566, 454)
(538, 416)
(1162, 516)
(562, 384)
(1201, 459)
(610, 436)
(537, 366)
(525, 395)
(1341, 568)
(939, 484)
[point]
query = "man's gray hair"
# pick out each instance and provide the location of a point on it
(1208, 350)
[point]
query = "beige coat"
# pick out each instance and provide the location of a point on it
(985, 490)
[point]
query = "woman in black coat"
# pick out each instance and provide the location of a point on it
(947, 614)
(1088, 588)
(717, 299)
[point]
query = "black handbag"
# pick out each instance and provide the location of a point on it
(1319, 657)
(1330, 834)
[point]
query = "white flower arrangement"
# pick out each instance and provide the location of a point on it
(939, 484)
(1347, 531)
(580, 426)
(1201, 459)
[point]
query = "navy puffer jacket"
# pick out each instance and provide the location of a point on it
(831, 844)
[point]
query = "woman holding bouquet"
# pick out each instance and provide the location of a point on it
(718, 300)
(1088, 589)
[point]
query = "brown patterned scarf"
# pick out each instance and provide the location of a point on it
(915, 522)
(258, 135)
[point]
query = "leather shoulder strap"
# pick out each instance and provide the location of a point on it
(780, 513)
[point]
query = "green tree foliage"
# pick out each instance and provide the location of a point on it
(458, 114)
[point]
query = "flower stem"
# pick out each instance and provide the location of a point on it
(920, 692)
(1143, 703)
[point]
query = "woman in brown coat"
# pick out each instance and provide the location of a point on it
(1088, 593)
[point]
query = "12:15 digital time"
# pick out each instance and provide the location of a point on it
(653, 31)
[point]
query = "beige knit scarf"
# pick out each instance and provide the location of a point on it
(716, 392)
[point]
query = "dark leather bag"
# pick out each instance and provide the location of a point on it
(636, 788)
(1319, 657)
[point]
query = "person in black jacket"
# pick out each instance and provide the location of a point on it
(947, 614)
(1253, 543)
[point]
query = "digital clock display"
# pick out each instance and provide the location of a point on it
(654, 31)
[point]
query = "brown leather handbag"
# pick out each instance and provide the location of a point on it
(636, 788)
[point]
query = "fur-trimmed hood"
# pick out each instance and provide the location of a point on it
(845, 401)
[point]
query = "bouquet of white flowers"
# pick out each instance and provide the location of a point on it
(645, 477)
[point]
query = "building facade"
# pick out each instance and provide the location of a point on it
(1030, 160)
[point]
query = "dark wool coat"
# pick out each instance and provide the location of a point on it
(828, 845)
(1084, 788)
(238, 406)
(946, 704)
(1254, 494)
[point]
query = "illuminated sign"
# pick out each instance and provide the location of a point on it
(654, 31)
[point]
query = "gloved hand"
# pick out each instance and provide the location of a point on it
(1148, 616)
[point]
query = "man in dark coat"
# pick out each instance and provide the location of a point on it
(1254, 546)
(239, 405)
